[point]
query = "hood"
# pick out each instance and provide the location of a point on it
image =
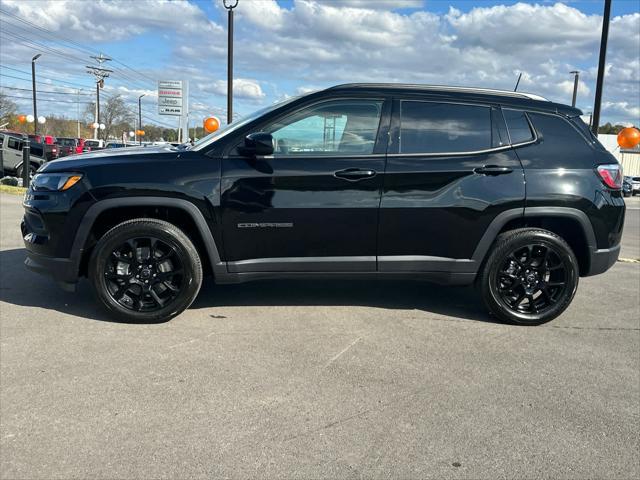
(110, 156)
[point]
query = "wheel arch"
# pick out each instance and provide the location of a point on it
(571, 224)
(116, 208)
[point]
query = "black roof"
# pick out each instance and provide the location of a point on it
(501, 97)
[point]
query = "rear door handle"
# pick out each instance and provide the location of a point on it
(493, 170)
(355, 174)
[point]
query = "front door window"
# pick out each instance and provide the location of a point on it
(333, 128)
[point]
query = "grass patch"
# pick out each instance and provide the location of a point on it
(12, 190)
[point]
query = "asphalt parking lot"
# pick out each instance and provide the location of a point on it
(318, 380)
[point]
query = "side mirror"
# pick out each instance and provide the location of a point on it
(258, 144)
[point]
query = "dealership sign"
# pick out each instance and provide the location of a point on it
(170, 94)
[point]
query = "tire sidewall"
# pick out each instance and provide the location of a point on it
(171, 236)
(494, 263)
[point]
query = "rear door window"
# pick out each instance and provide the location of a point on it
(432, 128)
(518, 125)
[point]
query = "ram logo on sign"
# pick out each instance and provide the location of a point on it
(170, 97)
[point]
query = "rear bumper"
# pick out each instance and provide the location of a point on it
(602, 260)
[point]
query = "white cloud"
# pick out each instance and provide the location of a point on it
(242, 88)
(325, 43)
(286, 47)
(98, 21)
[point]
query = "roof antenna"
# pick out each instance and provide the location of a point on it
(518, 82)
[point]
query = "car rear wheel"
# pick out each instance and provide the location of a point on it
(530, 277)
(32, 171)
(145, 270)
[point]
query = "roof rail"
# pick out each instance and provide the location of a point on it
(445, 88)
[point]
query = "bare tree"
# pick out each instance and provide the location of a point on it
(7, 108)
(113, 112)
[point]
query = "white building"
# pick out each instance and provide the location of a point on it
(628, 158)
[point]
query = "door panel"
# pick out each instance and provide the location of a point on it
(306, 210)
(435, 208)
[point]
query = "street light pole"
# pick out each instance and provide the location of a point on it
(33, 83)
(230, 5)
(601, 66)
(576, 74)
(140, 114)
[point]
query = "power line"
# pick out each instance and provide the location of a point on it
(44, 99)
(41, 76)
(43, 91)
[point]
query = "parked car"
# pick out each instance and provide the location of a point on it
(68, 146)
(81, 148)
(92, 145)
(115, 145)
(48, 143)
(11, 155)
(627, 186)
(361, 181)
(635, 185)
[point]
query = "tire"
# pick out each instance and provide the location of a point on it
(530, 277)
(32, 171)
(145, 270)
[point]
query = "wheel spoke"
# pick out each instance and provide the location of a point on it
(117, 276)
(532, 303)
(122, 289)
(156, 298)
(170, 286)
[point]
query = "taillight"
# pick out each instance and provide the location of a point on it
(611, 175)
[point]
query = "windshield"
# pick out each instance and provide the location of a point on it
(203, 142)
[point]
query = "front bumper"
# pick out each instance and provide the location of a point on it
(63, 270)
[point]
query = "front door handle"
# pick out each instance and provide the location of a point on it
(493, 170)
(355, 174)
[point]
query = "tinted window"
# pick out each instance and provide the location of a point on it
(561, 145)
(37, 149)
(14, 143)
(519, 129)
(427, 127)
(66, 142)
(348, 126)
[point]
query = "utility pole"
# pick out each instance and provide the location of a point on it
(576, 75)
(78, 110)
(230, 5)
(601, 66)
(140, 114)
(99, 74)
(33, 84)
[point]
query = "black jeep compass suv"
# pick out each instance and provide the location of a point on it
(452, 185)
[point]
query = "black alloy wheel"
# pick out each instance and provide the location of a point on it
(145, 270)
(532, 279)
(144, 274)
(530, 276)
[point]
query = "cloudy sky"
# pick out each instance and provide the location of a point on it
(289, 47)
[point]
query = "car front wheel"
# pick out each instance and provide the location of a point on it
(145, 270)
(530, 277)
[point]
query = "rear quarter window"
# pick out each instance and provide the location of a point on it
(560, 144)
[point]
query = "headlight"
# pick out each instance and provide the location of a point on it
(54, 182)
